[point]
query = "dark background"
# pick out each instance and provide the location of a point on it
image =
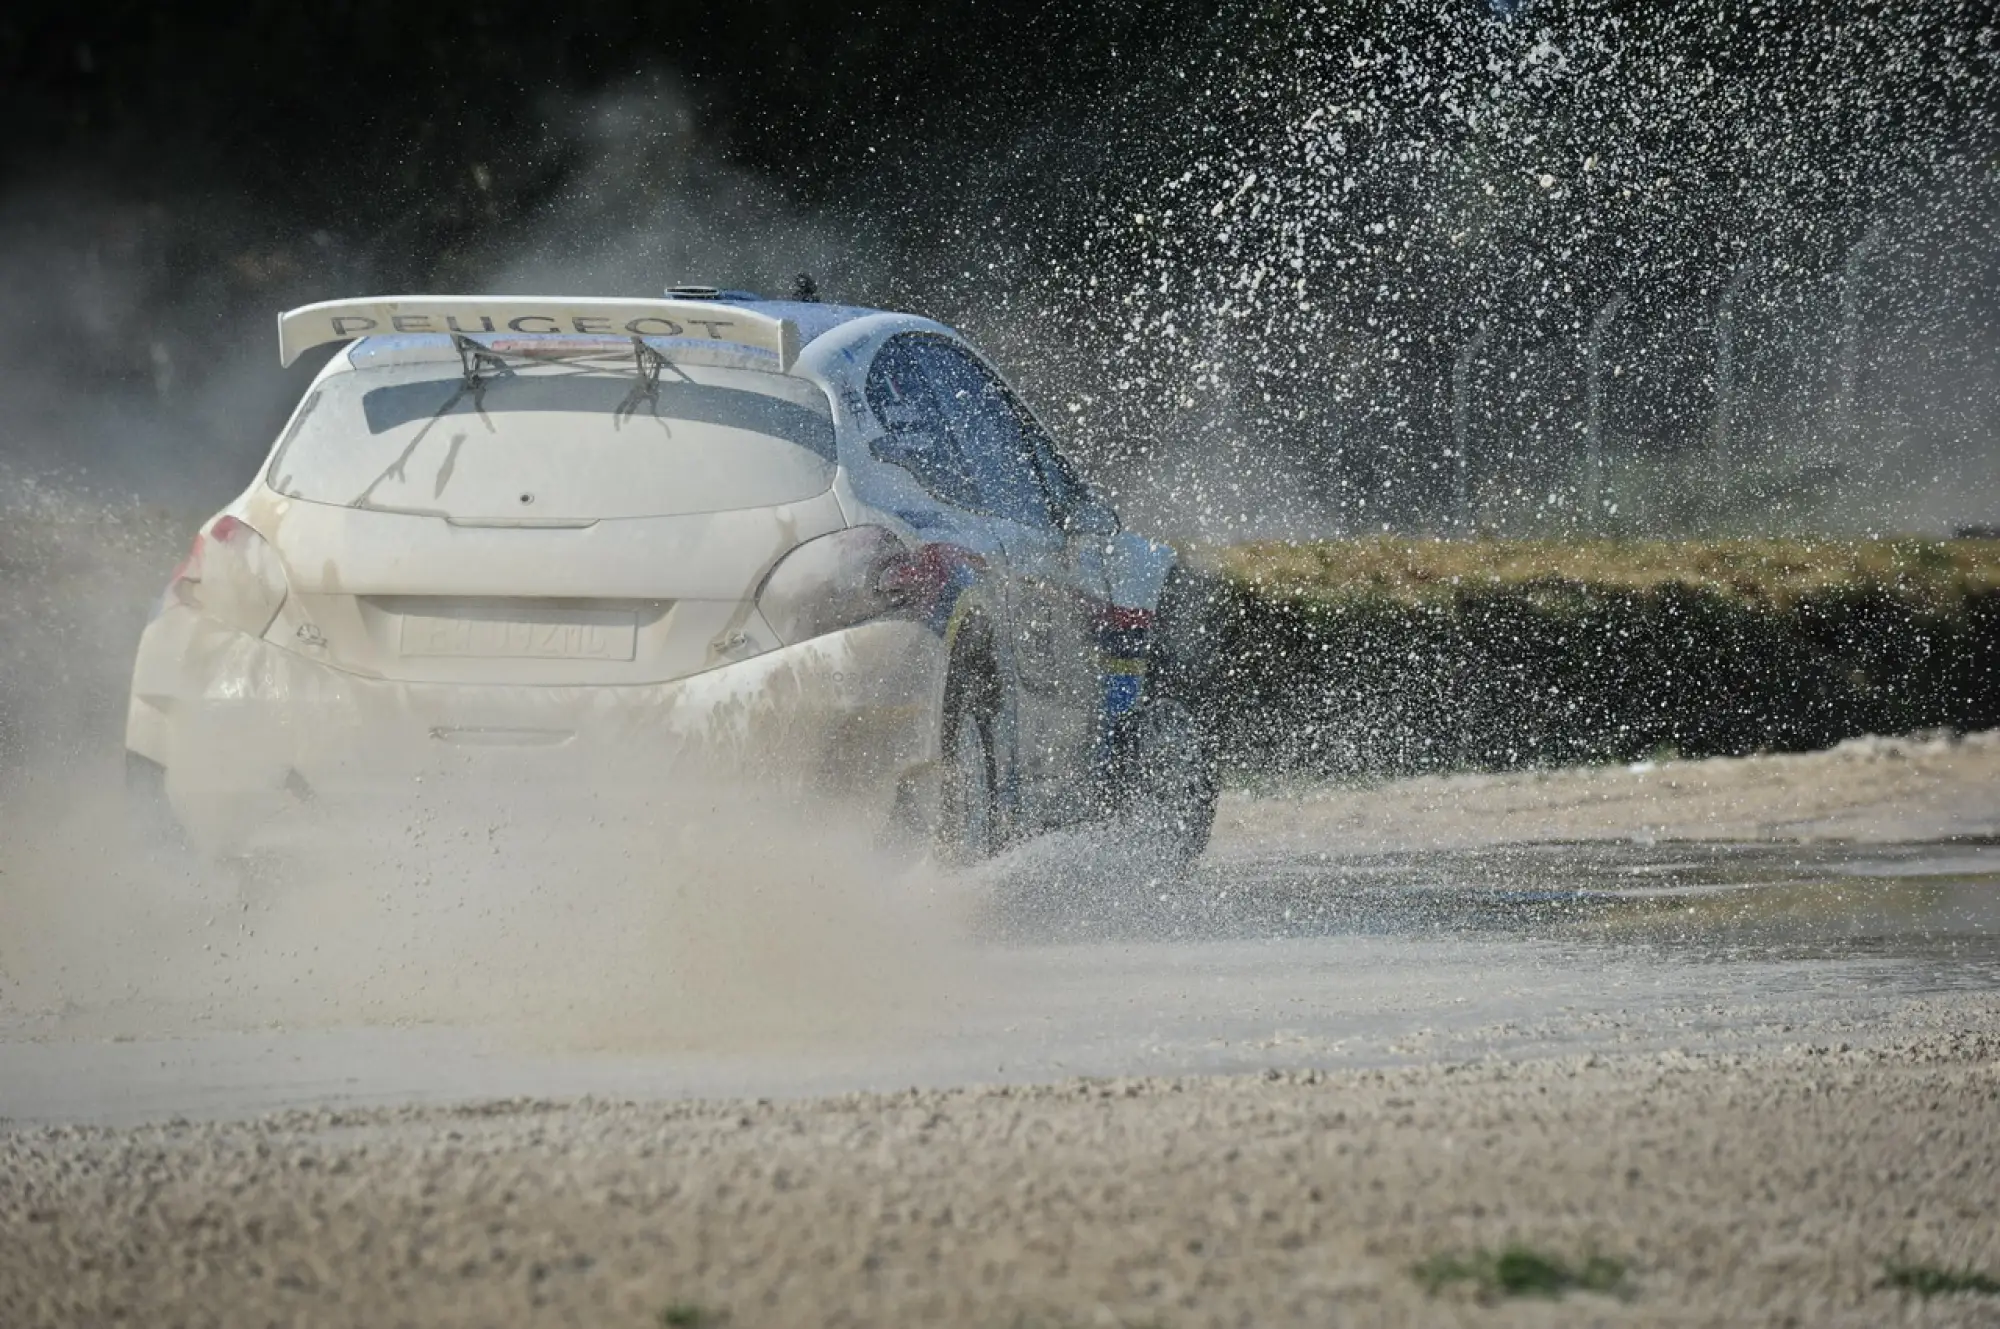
(245, 94)
(1232, 249)
(369, 117)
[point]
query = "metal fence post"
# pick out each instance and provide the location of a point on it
(1593, 443)
(1850, 332)
(1461, 371)
(1725, 373)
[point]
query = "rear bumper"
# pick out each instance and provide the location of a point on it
(850, 716)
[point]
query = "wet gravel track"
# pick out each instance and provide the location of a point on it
(1262, 960)
(1376, 1026)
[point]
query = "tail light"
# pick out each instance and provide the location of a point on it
(232, 576)
(834, 582)
(860, 574)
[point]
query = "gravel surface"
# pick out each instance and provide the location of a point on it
(1785, 1080)
(1774, 1190)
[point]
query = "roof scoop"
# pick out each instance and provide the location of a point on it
(719, 293)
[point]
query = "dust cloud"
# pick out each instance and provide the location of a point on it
(621, 913)
(681, 917)
(660, 917)
(683, 920)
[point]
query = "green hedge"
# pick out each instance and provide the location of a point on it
(1541, 655)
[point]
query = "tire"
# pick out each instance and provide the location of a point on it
(159, 836)
(1187, 644)
(968, 827)
(175, 861)
(1171, 781)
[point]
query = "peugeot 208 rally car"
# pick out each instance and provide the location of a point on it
(800, 541)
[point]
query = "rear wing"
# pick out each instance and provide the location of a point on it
(301, 329)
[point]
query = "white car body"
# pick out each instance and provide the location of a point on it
(535, 579)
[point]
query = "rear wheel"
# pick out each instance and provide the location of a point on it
(157, 839)
(969, 823)
(178, 854)
(1166, 750)
(968, 812)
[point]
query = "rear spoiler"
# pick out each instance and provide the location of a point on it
(301, 329)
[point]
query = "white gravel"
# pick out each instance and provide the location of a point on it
(1771, 1190)
(1755, 1130)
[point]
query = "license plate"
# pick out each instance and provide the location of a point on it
(571, 634)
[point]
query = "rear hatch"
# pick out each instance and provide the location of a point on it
(578, 521)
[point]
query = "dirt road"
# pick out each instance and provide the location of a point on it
(1733, 1028)
(1778, 1190)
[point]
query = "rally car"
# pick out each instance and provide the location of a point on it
(791, 540)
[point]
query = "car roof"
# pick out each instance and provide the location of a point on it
(813, 319)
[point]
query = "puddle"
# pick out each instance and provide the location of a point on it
(1913, 900)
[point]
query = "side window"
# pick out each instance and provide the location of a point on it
(998, 439)
(1064, 484)
(919, 437)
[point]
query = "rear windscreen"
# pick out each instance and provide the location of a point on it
(557, 442)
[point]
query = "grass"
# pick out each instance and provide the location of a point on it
(1391, 656)
(687, 1315)
(1774, 571)
(1519, 1271)
(1931, 1280)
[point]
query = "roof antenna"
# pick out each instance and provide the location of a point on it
(804, 289)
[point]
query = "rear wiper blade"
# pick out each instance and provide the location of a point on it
(472, 357)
